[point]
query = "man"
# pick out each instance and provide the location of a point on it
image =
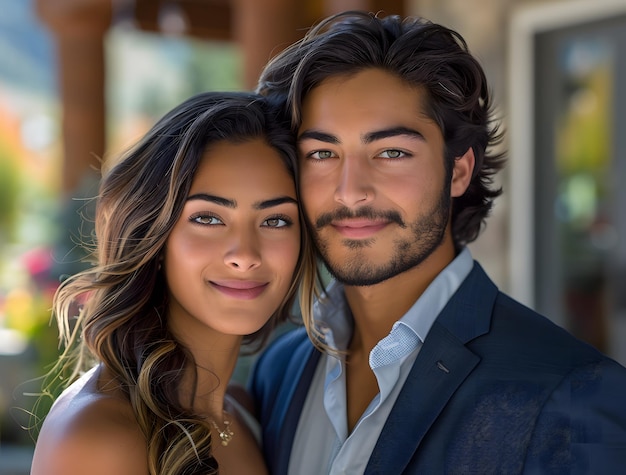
(427, 368)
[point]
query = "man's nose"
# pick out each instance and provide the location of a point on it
(354, 182)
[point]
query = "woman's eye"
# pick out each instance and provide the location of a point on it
(206, 220)
(320, 154)
(277, 222)
(393, 153)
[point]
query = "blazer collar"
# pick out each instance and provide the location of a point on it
(440, 368)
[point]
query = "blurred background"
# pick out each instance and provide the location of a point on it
(80, 80)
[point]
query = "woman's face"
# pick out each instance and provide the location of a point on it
(230, 258)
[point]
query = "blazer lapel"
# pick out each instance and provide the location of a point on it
(440, 368)
(297, 381)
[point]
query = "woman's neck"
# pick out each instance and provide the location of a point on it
(205, 383)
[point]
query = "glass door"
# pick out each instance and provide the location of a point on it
(579, 175)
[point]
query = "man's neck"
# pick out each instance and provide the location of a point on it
(376, 308)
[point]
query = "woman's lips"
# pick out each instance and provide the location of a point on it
(240, 289)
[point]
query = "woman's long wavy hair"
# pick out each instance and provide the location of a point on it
(424, 55)
(123, 298)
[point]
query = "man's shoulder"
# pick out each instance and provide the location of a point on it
(285, 350)
(520, 331)
(282, 349)
(278, 369)
(534, 338)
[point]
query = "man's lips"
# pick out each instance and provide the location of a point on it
(358, 228)
(240, 289)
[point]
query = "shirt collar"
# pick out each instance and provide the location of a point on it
(424, 312)
(334, 319)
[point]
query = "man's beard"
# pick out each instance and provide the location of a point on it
(427, 234)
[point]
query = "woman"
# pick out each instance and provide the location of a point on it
(200, 248)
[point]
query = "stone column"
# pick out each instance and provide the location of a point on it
(78, 28)
(384, 7)
(263, 28)
(336, 6)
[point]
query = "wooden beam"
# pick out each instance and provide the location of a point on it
(206, 19)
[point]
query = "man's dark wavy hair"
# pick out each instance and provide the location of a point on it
(423, 54)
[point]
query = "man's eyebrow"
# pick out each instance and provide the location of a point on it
(233, 204)
(317, 135)
(367, 138)
(392, 132)
(274, 202)
(213, 199)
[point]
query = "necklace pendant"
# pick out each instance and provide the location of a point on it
(227, 434)
(226, 437)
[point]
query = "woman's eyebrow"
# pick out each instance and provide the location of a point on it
(213, 199)
(228, 203)
(274, 202)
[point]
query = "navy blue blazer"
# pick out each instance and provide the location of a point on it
(495, 389)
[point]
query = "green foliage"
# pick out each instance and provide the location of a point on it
(9, 189)
(213, 66)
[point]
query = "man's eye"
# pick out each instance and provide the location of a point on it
(206, 220)
(393, 153)
(320, 154)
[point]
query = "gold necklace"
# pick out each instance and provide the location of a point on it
(225, 435)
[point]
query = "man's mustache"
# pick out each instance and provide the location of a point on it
(366, 212)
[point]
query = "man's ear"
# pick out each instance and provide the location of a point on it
(462, 173)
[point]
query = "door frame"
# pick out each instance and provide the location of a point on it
(526, 22)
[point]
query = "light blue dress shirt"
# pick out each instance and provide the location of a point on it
(322, 443)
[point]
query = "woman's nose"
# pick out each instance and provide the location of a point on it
(244, 253)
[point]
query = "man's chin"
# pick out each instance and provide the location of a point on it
(358, 275)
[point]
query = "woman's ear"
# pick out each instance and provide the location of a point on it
(462, 173)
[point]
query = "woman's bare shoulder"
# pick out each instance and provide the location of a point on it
(89, 431)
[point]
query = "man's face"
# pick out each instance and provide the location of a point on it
(373, 181)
